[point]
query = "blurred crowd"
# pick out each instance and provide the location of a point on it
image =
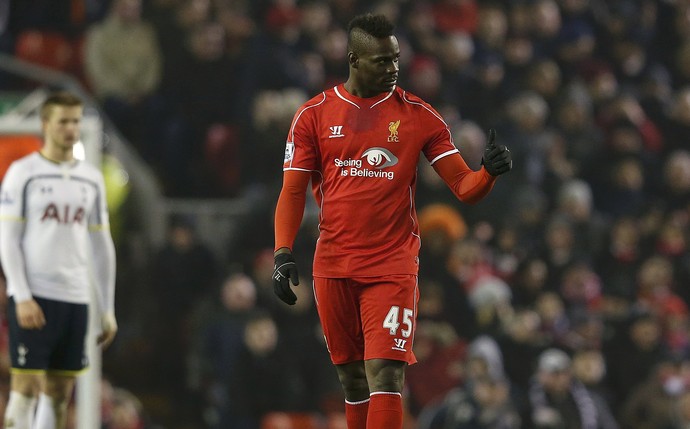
(559, 301)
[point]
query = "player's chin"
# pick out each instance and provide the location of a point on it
(387, 85)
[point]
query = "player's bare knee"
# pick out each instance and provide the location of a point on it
(354, 380)
(27, 384)
(59, 389)
(385, 375)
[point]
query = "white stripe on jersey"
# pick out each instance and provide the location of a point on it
(59, 204)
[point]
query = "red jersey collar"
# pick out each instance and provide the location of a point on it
(362, 103)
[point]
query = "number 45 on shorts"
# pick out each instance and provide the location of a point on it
(392, 321)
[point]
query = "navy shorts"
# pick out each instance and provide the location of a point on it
(58, 347)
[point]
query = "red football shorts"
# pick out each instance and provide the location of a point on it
(368, 317)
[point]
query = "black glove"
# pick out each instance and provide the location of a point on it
(285, 268)
(497, 159)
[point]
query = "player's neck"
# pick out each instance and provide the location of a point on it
(353, 88)
(58, 155)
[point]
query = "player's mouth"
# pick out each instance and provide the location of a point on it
(391, 81)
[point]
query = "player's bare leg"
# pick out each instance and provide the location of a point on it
(20, 408)
(354, 381)
(386, 380)
(55, 398)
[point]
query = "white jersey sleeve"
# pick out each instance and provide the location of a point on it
(103, 252)
(12, 225)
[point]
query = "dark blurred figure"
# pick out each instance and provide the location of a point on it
(259, 365)
(530, 282)
(123, 67)
(631, 356)
(182, 271)
(220, 321)
(558, 400)
(201, 134)
(589, 367)
(621, 257)
(523, 342)
(484, 399)
(652, 404)
(575, 202)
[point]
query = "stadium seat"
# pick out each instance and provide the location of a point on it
(222, 155)
(49, 49)
(280, 420)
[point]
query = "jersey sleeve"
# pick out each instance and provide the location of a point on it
(99, 218)
(301, 151)
(103, 250)
(290, 208)
(439, 141)
(11, 198)
(12, 225)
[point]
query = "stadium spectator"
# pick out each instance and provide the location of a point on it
(558, 399)
(632, 355)
(652, 403)
(483, 400)
(123, 67)
(182, 272)
(218, 339)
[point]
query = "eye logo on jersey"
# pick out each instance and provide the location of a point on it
(393, 129)
(379, 157)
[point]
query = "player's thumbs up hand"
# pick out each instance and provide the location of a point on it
(284, 272)
(491, 141)
(497, 159)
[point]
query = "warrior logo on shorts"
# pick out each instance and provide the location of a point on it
(22, 351)
(399, 344)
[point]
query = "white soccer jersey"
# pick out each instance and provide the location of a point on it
(51, 209)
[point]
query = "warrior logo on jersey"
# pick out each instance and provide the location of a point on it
(336, 131)
(393, 128)
(379, 157)
(289, 151)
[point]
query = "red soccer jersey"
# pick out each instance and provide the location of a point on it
(363, 155)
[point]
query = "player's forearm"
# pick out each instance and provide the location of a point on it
(290, 208)
(12, 258)
(469, 186)
(473, 186)
(104, 268)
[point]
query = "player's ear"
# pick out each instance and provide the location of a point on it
(353, 59)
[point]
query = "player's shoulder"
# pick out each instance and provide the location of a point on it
(27, 160)
(24, 166)
(410, 98)
(417, 103)
(89, 170)
(316, 100)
